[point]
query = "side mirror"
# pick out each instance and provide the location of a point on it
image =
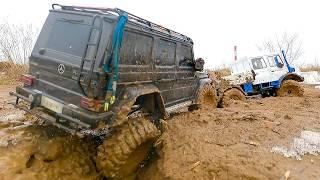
(280, 65)
(42, 51)
(199, 64)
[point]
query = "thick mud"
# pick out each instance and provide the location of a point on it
(29, 151)
(236, 142)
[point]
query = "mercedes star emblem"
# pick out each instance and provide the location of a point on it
(61, 68)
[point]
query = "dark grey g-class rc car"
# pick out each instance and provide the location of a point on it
(106, 70)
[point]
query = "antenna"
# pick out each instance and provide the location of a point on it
(235, 53)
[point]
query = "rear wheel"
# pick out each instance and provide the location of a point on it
(290, 88)
(121, 155)
(231, 95)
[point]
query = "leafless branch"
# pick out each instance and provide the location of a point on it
(289, 43)
(16, 41)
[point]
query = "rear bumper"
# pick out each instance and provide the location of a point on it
(67, 117)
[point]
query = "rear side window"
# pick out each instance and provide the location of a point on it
(165, 53)
(136, 49)
(271, 61)
(185, 56)
(70, 38)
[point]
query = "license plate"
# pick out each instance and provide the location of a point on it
(51, 104)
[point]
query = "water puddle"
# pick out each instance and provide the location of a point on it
(307, 143)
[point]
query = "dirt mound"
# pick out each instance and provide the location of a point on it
(236, 142)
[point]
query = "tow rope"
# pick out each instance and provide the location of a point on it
(112, 65)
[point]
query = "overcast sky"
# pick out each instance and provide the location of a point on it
(214, 26)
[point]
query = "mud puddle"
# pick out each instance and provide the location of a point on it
(307, 143)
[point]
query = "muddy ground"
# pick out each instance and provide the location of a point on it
(229, 143)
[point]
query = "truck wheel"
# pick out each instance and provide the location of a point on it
(120, 155)
(290, 88)
(230, 95)
(207, 96)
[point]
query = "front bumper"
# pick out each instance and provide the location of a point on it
(70, 118)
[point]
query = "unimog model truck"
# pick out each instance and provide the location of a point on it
(113, 74)
(269, 75)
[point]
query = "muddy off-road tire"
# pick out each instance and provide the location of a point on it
(120, 155)
(207, 96)
(290, 88)
(231, 95)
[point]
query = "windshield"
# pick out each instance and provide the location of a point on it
(258, 63)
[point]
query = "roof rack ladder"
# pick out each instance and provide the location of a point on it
(90, 53)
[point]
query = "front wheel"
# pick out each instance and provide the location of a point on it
(290, 88)
(120, 155)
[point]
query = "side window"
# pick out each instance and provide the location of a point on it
(135, 49)
(165, 53)
(185, 56)
(258, 63)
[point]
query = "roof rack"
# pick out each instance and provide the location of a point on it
(155, 26)
(131, 17)
(81, 8)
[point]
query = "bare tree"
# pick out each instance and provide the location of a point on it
(291, 44)
(16, 41)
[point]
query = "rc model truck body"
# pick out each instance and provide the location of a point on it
(269, 75)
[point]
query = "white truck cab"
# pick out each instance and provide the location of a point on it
(262, 74)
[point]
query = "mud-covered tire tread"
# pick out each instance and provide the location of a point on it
(282, 91)
(113, 153)
(208, 90)
(233, 92)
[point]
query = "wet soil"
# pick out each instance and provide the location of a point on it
(228, 143)
(236, 142)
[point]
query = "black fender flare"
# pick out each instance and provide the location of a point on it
(234, 87)
(129, 96)
(292, 76)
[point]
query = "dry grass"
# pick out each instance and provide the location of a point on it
(220, 72)
(10, 72)
(310, 68)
